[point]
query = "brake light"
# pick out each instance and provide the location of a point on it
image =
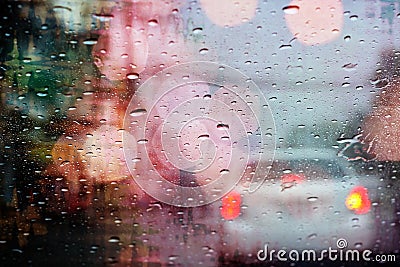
(358, 200)
(289, 180)
(292, 178)
(231, 205)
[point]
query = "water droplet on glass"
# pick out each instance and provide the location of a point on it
(90, 42)
(203, 51)
(336, 31)
(291, 9)
(224, 171)
(132, 76)
(346, 84)
(153, 22)
(42, 94)
(285, 46)
(353, 17)
(113, 239)
(312, 199)
(204, 137)
(358, 245)
(142, 141)
(197, 30)
(379, 83)
(349, 66)
(103, 17)
(172, 257)
(223, 126)
(312, 236)
(138, 112)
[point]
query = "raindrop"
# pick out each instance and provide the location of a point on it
(285, 46)
(346, 84)
(204, 137)
(224, 171)
(287, 171)
(223, 126)
(203, 51)
(349, 66)
(90, 42)
(347, 38)
(172, 257)
(142, 141)
(353, 17)
(61, 8)
(64, 163)
(291, 10)
(132, 76)
(138, 112)
(113, 239)
(197, 30)
(152, 22)
(336, 31)
(312, 236)
(379, 83)
(312, 199)
(42, 94)
(88, 93)
(103, 17)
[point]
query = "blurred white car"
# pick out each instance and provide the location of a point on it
(310, 199)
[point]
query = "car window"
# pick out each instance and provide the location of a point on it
(127, 126)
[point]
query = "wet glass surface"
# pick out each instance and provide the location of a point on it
(199, 133)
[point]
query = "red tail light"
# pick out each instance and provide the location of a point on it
(289, 180)
(231, 205)
(358, 200)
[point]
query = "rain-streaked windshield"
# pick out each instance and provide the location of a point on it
(199, 132)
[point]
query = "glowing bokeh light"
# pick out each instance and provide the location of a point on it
(358, 200)
(229, 12)
(314, 22)
(231, 206)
